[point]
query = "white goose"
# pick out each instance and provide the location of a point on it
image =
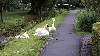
(42, 32)
(25, 35)
(52, 29)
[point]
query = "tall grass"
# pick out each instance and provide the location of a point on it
(11, 22)
(12, 17)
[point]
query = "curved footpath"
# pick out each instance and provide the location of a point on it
(65, 41)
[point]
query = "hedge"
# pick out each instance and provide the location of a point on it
(85, 19)
(96, 39)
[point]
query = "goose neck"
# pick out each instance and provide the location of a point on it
(53, 23)
(45, 27)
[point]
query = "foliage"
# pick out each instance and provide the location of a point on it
(96, 39)
(85, 19)
(36, 7)
(92, 5)
(40, 7)
(12, 24)
(10, 5)
(15, 24)
(52, 13)
(30, 46)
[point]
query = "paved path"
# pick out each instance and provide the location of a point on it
(66, 42)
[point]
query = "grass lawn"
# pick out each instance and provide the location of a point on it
(30, 46)
(11, 18)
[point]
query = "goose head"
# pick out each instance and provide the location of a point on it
(53, 19)
(46, 26)
(25, 32)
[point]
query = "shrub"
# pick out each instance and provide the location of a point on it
(85, 19)
(96, 39)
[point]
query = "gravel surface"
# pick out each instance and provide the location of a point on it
(86, 47)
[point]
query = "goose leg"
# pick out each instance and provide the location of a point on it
(51, 34)
(50, 37)
(42, 38)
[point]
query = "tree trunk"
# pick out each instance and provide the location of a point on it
(1, 20)
(35, 11)
(53, 5)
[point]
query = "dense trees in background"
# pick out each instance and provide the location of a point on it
(1, 20)
(92, 5)
(37, 7)
(72, 4)
(10, 5)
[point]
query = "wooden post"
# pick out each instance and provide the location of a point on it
(1, 20)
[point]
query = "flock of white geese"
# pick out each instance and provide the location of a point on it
(41, 32)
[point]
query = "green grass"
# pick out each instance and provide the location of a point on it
(30, 46)
(11, 18)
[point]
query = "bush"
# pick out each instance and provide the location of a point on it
(96, 39)
(85, 19)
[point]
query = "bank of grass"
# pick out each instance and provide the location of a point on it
(11, 18)
(12, 22)
(30, 46)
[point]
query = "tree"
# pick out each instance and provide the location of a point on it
(38, 6)
(1, 20)
(72, 1)
(75, 3)
(92, 5)
(10, 5)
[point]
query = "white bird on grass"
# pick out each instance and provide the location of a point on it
(17, 36)
(25, 35)
(52, 29)
(42, 32)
